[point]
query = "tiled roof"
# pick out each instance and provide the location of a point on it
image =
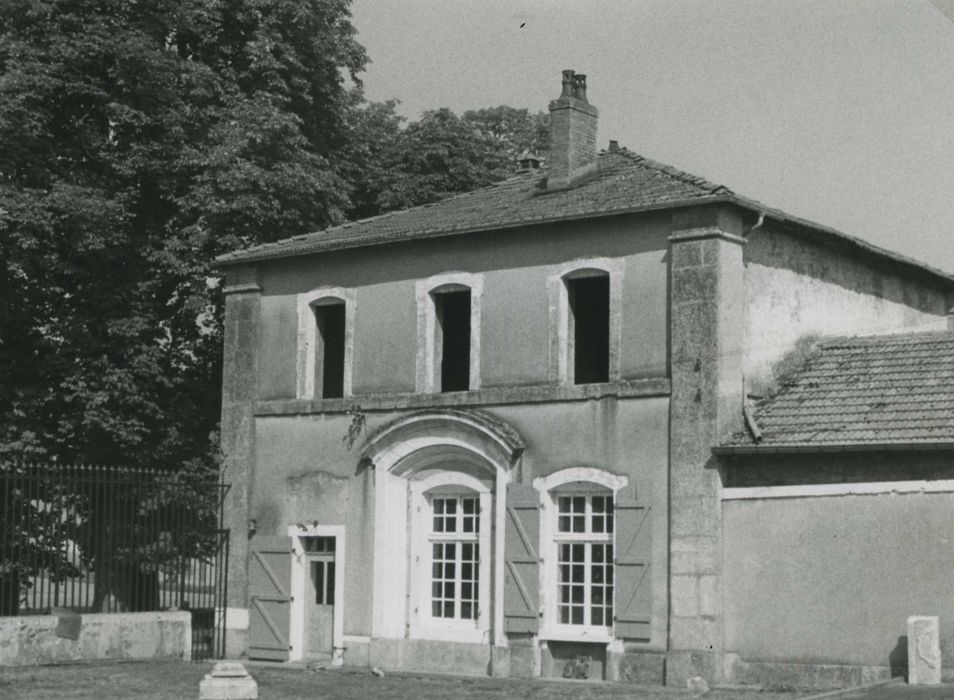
(877, 390)
(624, 181)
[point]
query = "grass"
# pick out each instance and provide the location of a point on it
(155, 680)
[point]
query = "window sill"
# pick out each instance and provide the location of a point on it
(502, 395)
(461, 634)
(582, 634)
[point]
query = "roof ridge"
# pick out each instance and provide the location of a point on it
(671, 170)
(886, 338)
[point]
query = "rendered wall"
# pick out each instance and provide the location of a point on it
(515, 319)
(796, 288)
(832, 580)
(305, 471)
(32, 640)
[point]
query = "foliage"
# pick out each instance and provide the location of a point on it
(141, 138)
(137, 141)
(440, 154)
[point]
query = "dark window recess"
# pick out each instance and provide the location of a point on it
(331, 331)
(589, 305)
(453, 315)
(323, 576)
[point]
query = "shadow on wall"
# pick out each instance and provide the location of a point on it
(898, 658)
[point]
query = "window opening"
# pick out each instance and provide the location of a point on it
(323, 575)
(453, 319)
(330, 319)
(455, 557)
(585, 560)
(589, 302)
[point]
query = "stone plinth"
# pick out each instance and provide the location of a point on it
(924, 651)
(228, 680)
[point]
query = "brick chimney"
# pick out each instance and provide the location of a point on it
(572, 134)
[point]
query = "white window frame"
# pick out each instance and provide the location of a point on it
(421, 623)
(578, 481)
(308, 337)
(428, 346)
(560, 366)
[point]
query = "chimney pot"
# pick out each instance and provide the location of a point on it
(614, 146)
(568, 76)
(579, 86)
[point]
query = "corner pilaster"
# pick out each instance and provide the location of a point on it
(241, 332)
(706, 335)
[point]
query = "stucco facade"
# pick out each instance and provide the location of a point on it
(704, 293)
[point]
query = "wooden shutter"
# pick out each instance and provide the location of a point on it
(633, 591)
(522, 579)
(269, 613)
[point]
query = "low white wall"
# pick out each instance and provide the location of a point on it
(32, 640)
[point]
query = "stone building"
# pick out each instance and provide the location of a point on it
(478, 435)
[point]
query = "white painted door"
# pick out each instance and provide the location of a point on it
(319, 595)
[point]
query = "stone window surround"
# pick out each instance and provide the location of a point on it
(559, 370)
(428, 354)
(308, 337)
(549, 487)
(423, 442)
(421, 624)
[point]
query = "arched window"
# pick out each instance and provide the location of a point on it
(585, 308)
(577, 543)
(448, 313)
(439, 506)
(325, 343)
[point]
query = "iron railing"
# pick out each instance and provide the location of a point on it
(114, 539)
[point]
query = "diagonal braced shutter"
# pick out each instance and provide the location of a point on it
(269, 582)
(522, 577)
(633, 595)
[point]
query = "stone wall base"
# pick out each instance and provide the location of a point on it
(32, 639)
(779, 675)
(421, 655)
(683, 665)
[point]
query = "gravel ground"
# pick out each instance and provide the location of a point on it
(160, 680)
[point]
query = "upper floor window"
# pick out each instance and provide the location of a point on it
(448, 308)
(589, 325)
(585, 323)
(325, 343)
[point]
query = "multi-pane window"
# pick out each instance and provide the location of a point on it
(584, 541)
(455, 557)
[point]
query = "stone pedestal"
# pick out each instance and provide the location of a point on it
(924, 651)
(228, 681)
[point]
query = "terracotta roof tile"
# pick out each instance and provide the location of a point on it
(867, 390)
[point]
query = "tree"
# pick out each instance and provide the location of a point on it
(137, 141)
(439, 155)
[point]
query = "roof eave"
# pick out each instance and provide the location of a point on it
(240, 258)
(802, 448)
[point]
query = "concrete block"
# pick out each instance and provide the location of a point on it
(924, 650)
(684, 596)
(700, 561)
(683, 665)
(693, 634)
(708, 595)
(211, 688)
(639, 668)
(697, 516)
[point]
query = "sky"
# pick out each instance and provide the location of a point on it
(840, 112)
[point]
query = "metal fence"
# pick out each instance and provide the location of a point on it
(114, 539)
